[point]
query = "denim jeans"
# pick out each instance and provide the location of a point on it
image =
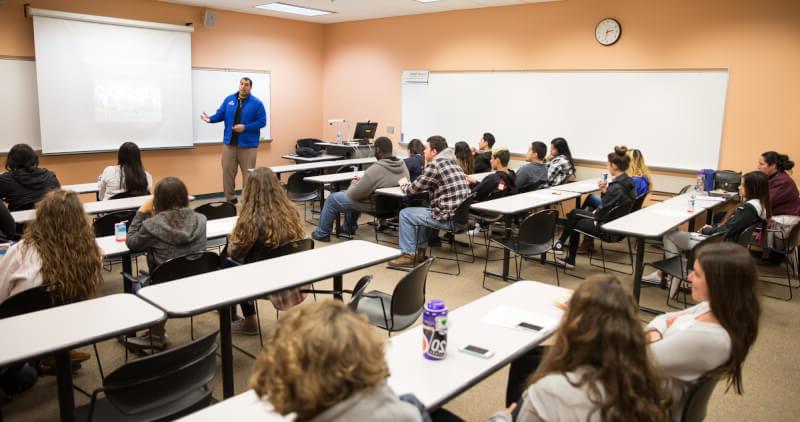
(336, 203)
(593, 202)
(417, 216)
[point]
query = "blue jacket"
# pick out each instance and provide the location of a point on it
(254, 117)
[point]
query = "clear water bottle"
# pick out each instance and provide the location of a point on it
(692, 199)
(339, 136)
(434, 330)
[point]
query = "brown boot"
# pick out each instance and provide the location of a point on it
(405, 260)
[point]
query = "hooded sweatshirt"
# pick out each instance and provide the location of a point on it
(746, 214)
(385, 173)
(166, 235)
(378, 403)
(22, 189)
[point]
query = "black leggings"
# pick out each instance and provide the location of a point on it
(521, 369)
(248, 308)
(576, 219)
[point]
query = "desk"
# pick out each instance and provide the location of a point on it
(652, 223)
(582, 187)
(219, 289)
(434, 382)
(320, 165)
(322, 157)
(91, 207)
(514, 204)
(82, 187)
(333, 179)
(59, 329)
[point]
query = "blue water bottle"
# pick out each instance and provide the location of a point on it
(434, 330)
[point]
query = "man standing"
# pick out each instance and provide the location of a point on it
(447, 188)
(244, 116)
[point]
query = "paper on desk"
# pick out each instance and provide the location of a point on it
(510, 317)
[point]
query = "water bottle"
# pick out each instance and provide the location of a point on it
(339, 136)
(691, 202)
(604, 178)
(434, 330)
(120, 232)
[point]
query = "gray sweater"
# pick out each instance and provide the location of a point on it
(385, 173)
(379, 403)
(167, 235)
(531, 176)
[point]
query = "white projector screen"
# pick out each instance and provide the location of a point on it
(674, 117)
(103, 84)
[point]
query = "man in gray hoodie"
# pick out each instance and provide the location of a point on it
(386, 172)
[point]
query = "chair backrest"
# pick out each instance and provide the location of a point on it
(130, 194)
(104, 226)
(297, 185)
(538, 228)
(358, 291)
(215, 210)
(746, 236)
(34, 299)
(408, 297)
(156, 380)
(308, 143)
(347, 169)
(614, 213)
(385, 206)
(460, 219)
(714, 238)
(685, 189)
(260, 252)
(794, 238)
(185, 266)
(639, 202)
(694, 410)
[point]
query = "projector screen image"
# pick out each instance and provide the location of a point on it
(129, 101)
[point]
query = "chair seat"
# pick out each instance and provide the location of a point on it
(302, 197)
(105, 411)
(602, 236)
(370, 305)
(671, 266)
(523, 248)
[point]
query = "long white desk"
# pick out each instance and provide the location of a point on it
(321, 165)
(435, 382)
(91, 207)
(82, 187)
(59, 329)
(300, 159)
(219, 289)
(397, 192)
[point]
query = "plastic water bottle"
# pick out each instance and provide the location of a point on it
(339, 136)
(120, 232)
(691, 202)
(434, 330)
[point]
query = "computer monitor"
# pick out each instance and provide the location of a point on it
(365, 130)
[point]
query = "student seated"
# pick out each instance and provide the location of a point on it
(483, 156)
(165, 227)
(8, 228)
(325, 363)
(619, 191)
(783, 194)
(57, 248)
(639, 173)
(415, 161)
(384, 173)
(268, 219)
(128, 176)
(754, 208)
(447, 188)
(464, 157)
(714, 336)
(533, 176)
(498, 184)
(24, 183)
(598, 366)
(560, 166)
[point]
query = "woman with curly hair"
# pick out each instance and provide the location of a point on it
(268, 219)
(598, 369)
(325, 363)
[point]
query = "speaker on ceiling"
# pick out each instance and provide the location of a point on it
(210, 19)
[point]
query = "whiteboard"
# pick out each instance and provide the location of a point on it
(674, 117)
(19, 108)
(211, 86)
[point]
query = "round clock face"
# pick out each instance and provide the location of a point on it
(608, 31)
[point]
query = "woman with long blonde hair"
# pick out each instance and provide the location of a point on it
(58, 248)
(599, 368)
(639, 172)
(268, 219)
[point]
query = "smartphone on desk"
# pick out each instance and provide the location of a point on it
(476, 351)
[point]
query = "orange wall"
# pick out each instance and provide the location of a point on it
(292, 51)
(758, 41)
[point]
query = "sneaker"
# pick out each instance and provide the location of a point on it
(319, 238)
(405, 260)
(652, 278)
(240, 327)
(144, 342)
(558, 248)
(564, 263)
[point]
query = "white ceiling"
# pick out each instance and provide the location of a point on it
(351, 10)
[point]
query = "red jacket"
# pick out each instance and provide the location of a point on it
(783, 195)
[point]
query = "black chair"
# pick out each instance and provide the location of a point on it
(685, 189)
(678, 267)
(789, 248)
(745, 237)
(358, 292)
(459, 223)
(403, 307)
(104, 226)
(697, 398)
(159, 387)
(299, 190)
(384, 207)
(606, 237)
(215, 211)
(132, 194)
(535, 238)
(638, 203)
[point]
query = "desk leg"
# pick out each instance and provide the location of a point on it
(637, 276)
(127, 267)
(227, 351)
(66, 399)
(506, 253)
(337, 287)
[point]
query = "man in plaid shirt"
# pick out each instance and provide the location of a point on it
(447, 188)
